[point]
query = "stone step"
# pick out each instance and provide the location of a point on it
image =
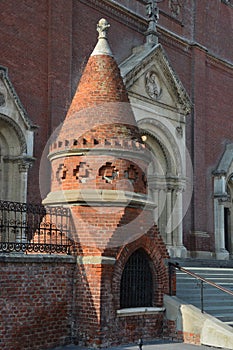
(223, 317)
(200, 263)
(211, 303)
(224, 309)
(216, 302)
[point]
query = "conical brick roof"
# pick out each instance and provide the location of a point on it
(100, 108)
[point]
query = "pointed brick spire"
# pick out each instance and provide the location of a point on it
(102, 85)
(99, 135)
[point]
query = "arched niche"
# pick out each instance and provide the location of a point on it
(166, 176)
(16, 143)
(223, 205)
(160, 104)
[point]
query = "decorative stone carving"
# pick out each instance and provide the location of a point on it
(152, 85)
(2, 100)
(152, 11)
(102, 28)
(179, 131)
(175, 6)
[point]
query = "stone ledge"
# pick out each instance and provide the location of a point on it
(99, 197)
(139, 311)
(191, 322)
(95, 260)
(36, 258)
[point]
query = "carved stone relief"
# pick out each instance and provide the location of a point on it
(152, 85)
(175, 7)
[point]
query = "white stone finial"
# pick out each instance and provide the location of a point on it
(153, 16)
(102, 28)
(102, 46)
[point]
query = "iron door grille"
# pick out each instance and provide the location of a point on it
(136, 282)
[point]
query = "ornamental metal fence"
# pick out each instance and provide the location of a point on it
(31, 228)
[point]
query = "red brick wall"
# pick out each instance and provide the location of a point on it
(51, 301)
(99, 298)
(36, 303)
(207, 79)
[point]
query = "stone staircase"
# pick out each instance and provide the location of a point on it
(216, 302)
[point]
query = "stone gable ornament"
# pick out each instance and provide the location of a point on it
(152, 12)
(102, 28)
(152, 85)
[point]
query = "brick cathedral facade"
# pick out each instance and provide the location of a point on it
(133, 135)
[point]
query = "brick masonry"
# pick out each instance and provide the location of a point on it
(47, 301)
(36, 302)
(45, 62)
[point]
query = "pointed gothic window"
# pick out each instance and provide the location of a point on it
(136, 281)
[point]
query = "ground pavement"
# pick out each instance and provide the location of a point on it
(159, 345)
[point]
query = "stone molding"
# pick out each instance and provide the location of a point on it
(133, 67)
(170, 137)
(99, 197)
(4, 77)
(120, 13)
(113, 152)
(17, 129)
(36, 258)
(95, 260)
(136, 311)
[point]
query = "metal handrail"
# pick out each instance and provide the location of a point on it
(198, 277)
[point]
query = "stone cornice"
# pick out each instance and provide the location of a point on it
(98, 151)
(140, 23)
(95, 260)
(98, 197)
(186, 45)
(132, 67)
(120, 13)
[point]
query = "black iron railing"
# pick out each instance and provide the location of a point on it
(34, 228)
(202, 280)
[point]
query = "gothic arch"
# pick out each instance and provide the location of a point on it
(13, 135)
(156, 254)
(223, 205)
(166, 181)
(166, 141)
(16, 142)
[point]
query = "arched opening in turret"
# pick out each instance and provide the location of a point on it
(137, 282)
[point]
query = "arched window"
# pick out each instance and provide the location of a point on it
(136, 281)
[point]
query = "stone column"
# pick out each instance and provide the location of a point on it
(23, 171)
(219, 227)
(179, 249)
(169, 217)
(221, 252)
(179, 218)
(155, 196)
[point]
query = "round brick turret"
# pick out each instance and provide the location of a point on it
(99, 146)
(99, 166)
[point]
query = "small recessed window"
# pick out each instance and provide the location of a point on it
(136, 281)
